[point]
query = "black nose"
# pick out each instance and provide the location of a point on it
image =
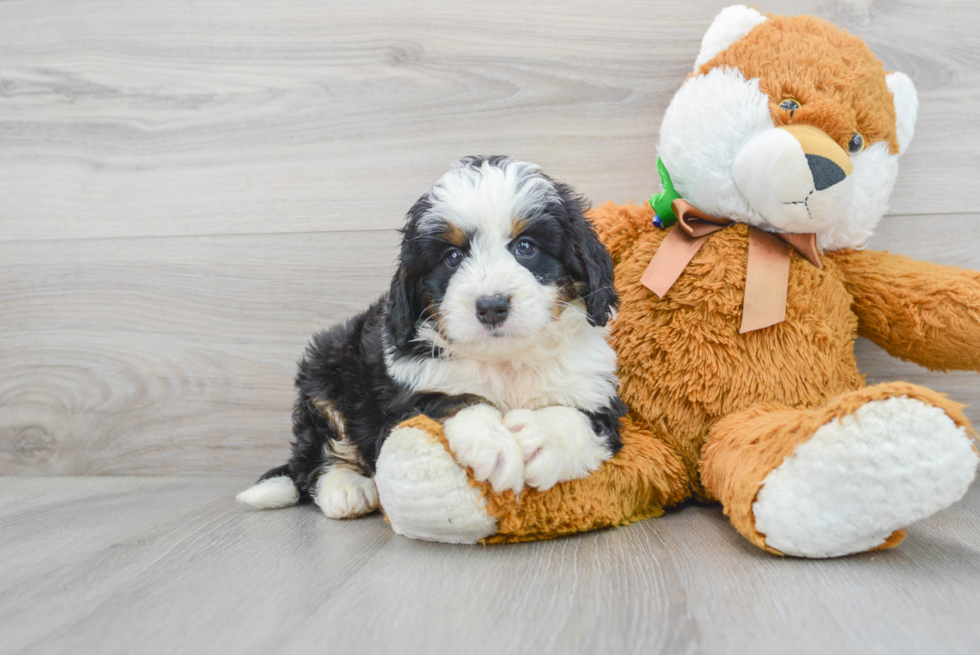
(492, 310)
(825, 172)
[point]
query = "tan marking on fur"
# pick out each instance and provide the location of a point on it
(454, 235)
(517, 226)
(328, 408)
(434, 318)
(567, 294)
(344, 454)
(341, 451)
(839, 83)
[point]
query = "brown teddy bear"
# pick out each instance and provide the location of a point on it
(737, 324)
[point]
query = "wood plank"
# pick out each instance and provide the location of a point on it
(118, 565)
(162, 118)
(161, 565)
(176, 355)
(745, 601)
(167, 355)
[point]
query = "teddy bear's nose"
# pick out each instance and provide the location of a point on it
(825, 172)
(827, 161)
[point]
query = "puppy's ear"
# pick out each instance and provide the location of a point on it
(590, 261)
(404, 307)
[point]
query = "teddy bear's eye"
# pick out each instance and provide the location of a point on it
(790, 105)
(856, 144)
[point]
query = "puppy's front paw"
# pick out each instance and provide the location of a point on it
(479, 440)
(557, 444)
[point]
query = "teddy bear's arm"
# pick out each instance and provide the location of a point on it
(919, 311)
(618, 226)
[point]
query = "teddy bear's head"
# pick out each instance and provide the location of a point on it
(788, 124)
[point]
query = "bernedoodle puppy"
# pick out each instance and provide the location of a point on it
(494, 324)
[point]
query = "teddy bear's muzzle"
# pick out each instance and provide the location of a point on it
(796, 177)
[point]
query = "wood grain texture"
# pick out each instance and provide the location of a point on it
(164, 118)
(187, 191)
(164, 565)
(167, 355)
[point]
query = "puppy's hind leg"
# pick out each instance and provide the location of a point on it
(343, 493)
(340, 488)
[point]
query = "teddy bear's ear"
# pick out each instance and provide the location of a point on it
(730, 25)
(906, 107)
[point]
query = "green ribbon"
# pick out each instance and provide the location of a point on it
(661, 202)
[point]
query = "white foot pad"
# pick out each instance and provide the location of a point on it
(478, 439)
(854, 482)
(426, 494)
(345, 494)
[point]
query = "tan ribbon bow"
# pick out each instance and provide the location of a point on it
(766, 272)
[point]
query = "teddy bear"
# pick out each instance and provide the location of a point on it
(743, 286)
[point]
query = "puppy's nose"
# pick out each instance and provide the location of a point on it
(825, 172)
(492, 310)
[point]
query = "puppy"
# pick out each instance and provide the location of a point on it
(494, 324)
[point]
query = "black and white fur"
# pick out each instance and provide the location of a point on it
(494, 324)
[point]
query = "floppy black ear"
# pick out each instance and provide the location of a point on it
(404, 308)
(591, 263)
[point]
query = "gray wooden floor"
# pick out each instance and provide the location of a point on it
(189, 189)
(172, 565)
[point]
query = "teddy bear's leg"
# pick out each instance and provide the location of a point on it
(425, 494)
(842, 478)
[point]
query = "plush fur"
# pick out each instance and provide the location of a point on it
(896, 477)
(499, 305)
(775, 424)
(731, 24)
(425, 489)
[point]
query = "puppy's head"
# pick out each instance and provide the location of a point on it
(492, 255)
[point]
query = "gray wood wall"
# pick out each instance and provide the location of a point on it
(189, 189)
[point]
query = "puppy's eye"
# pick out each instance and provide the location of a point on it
(856, 144)
(790, 105)
(524, 248)
(453, 257)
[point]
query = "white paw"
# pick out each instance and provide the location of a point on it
(854, 482)
(345, 494)
(480, 441)
(557, 444)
